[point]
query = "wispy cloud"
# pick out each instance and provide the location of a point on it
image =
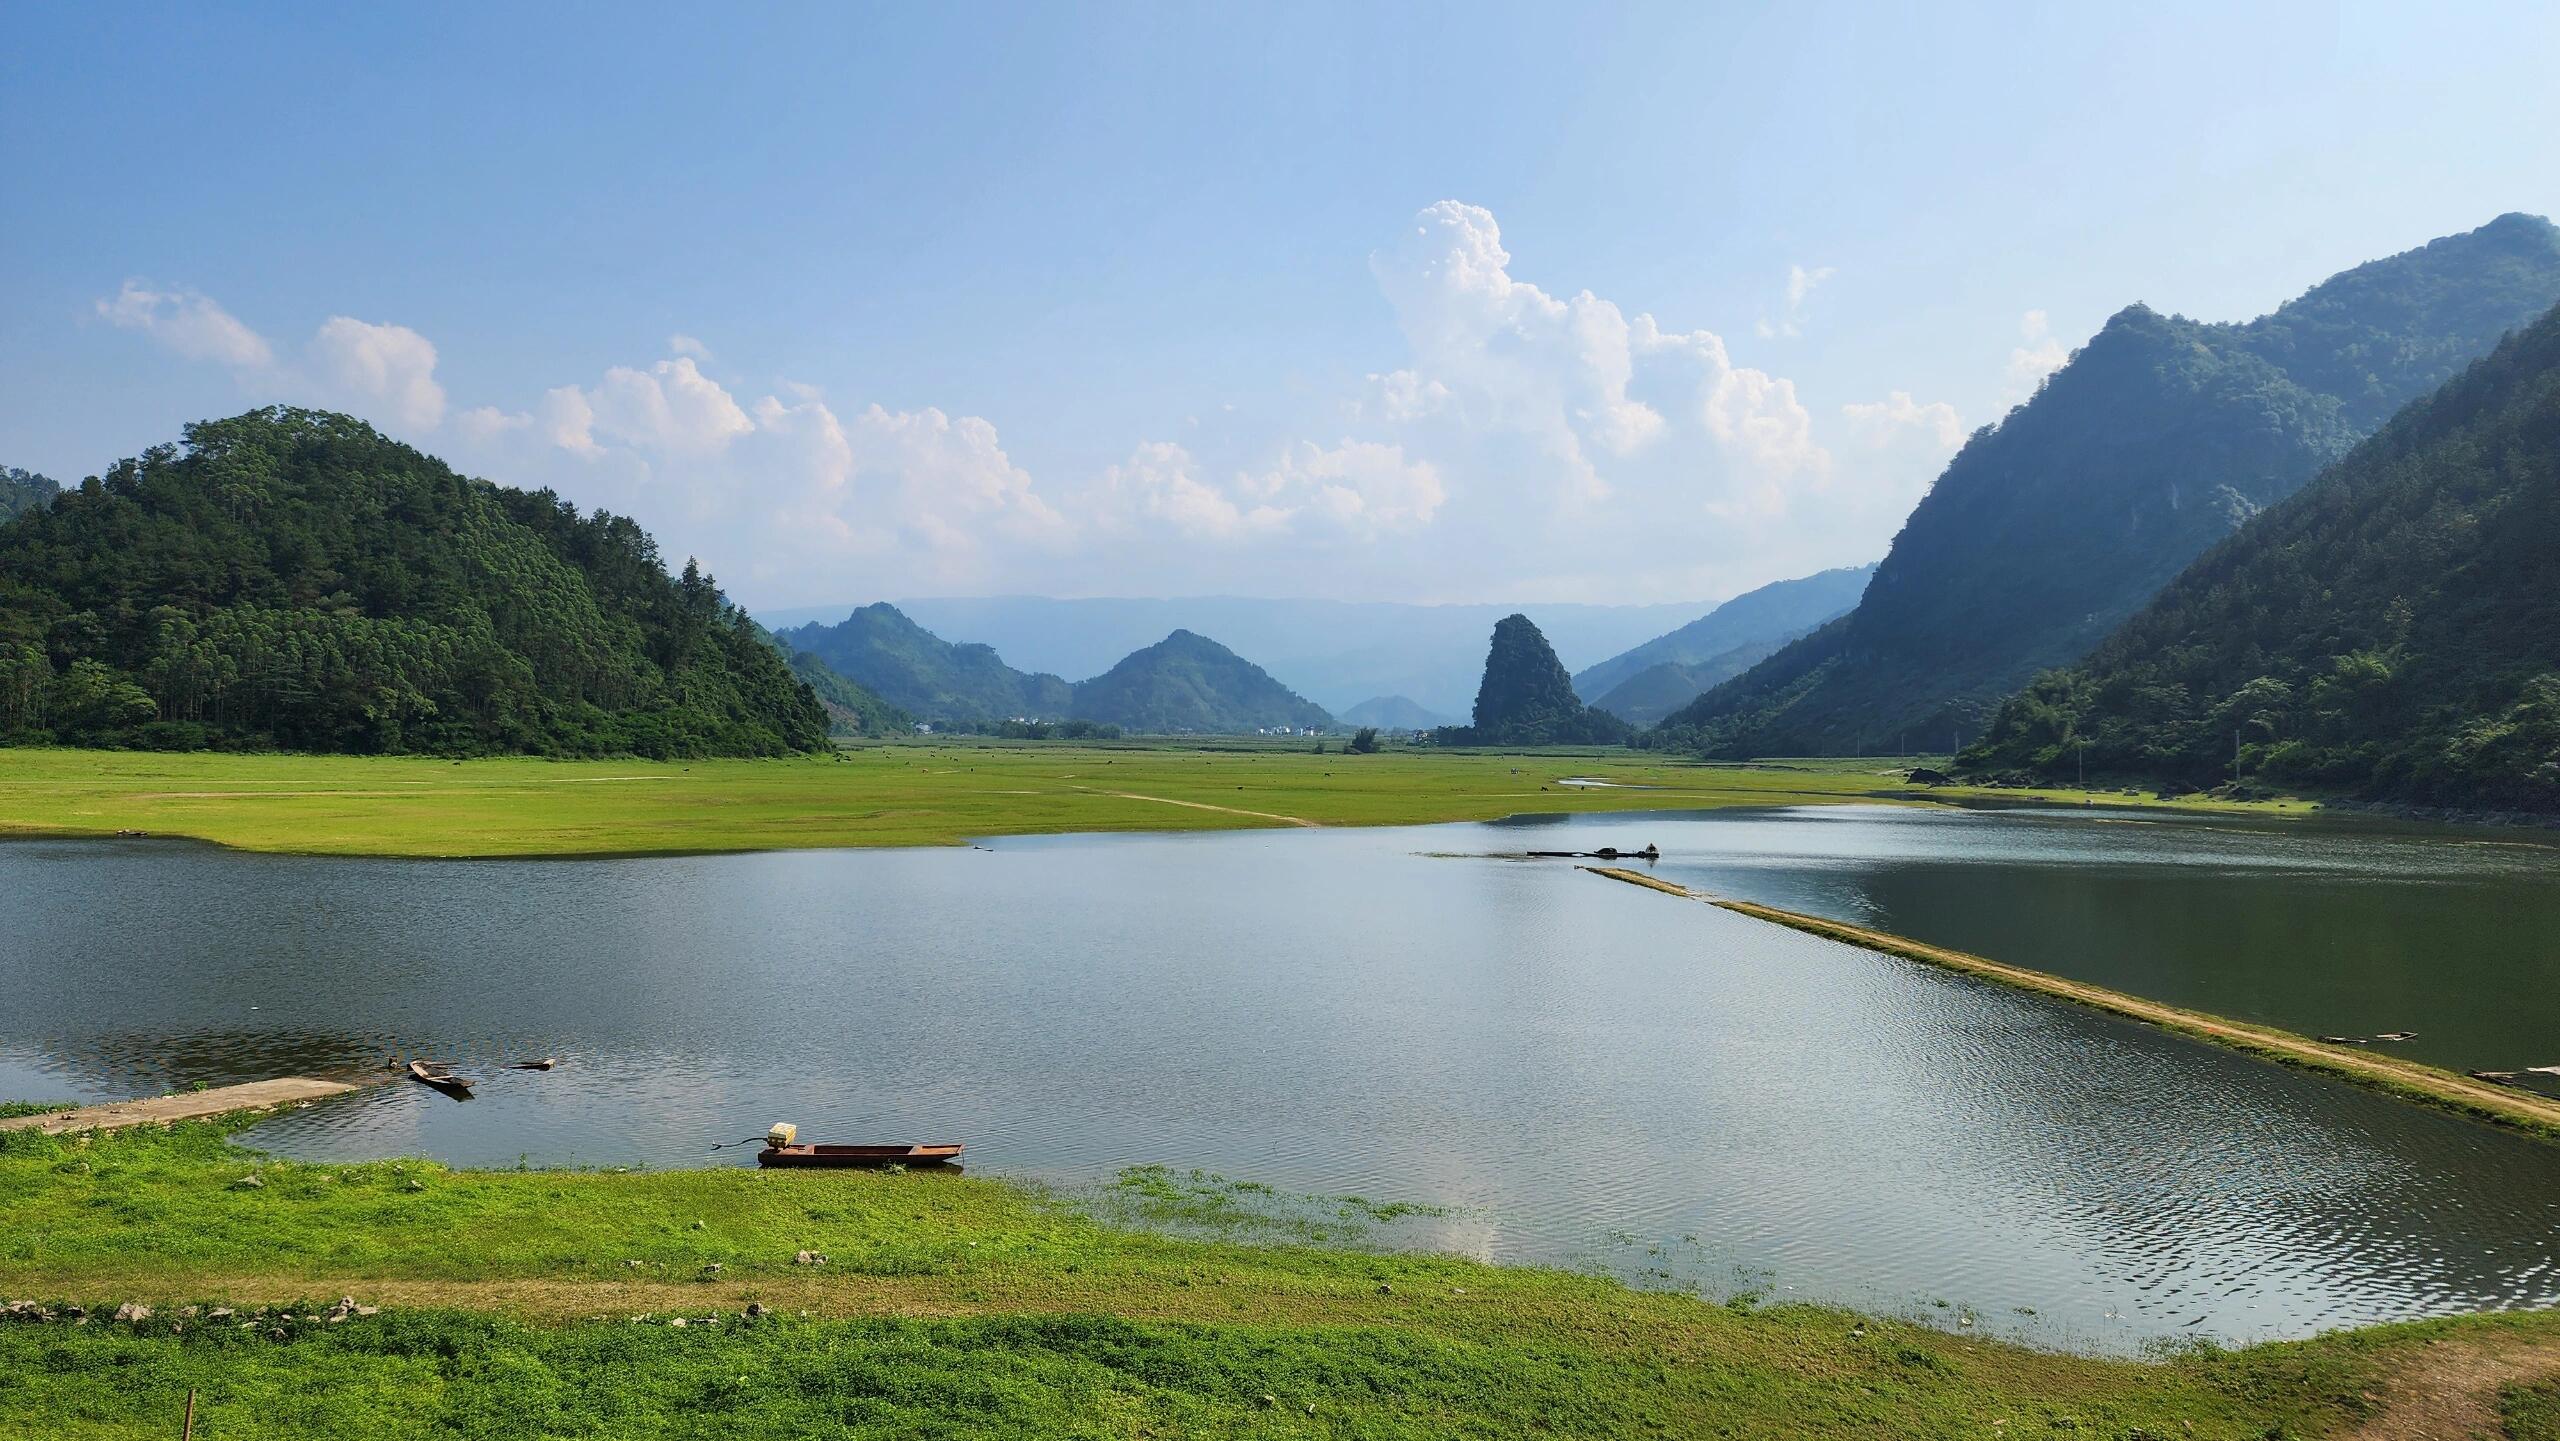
(1800, 284)
(189, 324)
(2038, 355)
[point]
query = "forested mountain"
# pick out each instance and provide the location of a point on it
(2160, 437)
(2392, 631)
(851, 710)
(920, 673)
(1527, 699)
(1392, 713)
(292, 578)
(22, 491)
(1183, 683)
(1188, 684)
(1760, 620)
(1336, 653)
(1651, 695)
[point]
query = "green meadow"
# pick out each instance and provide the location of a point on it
(909, 793)
(535, 1303)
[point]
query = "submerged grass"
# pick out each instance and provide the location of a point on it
(1205, 1203)
(2533, 1114)
(953, 1306)
(884, 795)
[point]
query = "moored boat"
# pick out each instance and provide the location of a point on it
(440, 1078)
(846, 1156)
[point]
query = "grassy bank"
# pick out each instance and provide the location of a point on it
(957, 1306)
(893, 795)
(2534, 1114)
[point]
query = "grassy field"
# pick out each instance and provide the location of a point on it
(523, 1304)
(889, 795)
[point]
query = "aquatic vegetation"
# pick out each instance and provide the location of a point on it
(1205, 1203)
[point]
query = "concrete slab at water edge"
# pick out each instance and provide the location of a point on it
(184, 1106)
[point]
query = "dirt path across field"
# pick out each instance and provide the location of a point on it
(1205, 806)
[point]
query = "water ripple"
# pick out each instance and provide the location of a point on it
(1586, 1075)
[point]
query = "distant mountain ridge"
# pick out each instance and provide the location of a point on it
(1654, 693)
(1335, 653)
(2160, 437)
(2392, 630)
(1184, 683)
(1393, 713)
(881, 649)
(1726, 640)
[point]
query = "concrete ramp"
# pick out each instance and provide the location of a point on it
(184, 1106)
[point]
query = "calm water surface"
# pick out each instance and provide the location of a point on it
(1591, 1074)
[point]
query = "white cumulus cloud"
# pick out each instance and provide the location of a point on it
(932, 483)
(1522, 443)
(671, 407)
(1160, 481)
(1882, 423)
(1588, 387)
(1363, 486)
(389, 365)
(1402, 395)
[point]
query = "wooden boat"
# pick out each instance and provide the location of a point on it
(443, 1080)
(546, 1063)
(2500, 1078)
(2395, 1035)
(858, 1155)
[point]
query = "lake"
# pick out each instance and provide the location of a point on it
(1588, 1073)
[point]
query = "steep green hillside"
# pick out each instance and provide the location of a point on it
(22, 491)
(1652, 694)
(2159, 438)
(1762, 619)
(2392, 631)
(1527, 699)
(293, 579)
(919, 672)
(851, 710)
(1189, 683)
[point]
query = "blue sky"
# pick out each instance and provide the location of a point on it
(1462, 302)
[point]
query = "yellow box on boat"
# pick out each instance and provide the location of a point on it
(781, 1135)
